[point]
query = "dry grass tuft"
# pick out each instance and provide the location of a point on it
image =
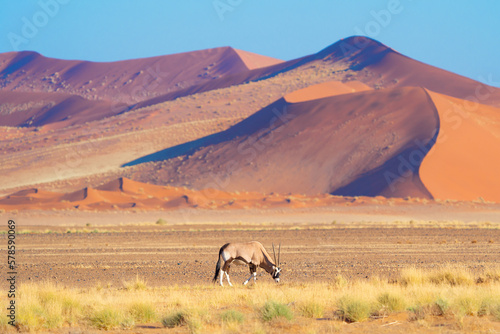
(445, 275)
(232, 316)
(142, 312)
(312, 309)
(110, 318)
(451, 275)
(354, 308)
(135, 285)
(423, 294)
(390, 302)
(274, 310)
(183, 318)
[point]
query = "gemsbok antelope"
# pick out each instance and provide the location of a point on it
(251, 253)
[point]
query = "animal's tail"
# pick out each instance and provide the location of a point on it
(219, 262)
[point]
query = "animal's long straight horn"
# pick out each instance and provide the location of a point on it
(279, 253)
(274, 253)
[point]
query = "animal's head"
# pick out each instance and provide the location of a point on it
(276, 274)
(276, 269)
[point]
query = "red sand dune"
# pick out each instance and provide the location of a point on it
(154, 80)
(380, 65)
(464, 163)
(127, 194)
(122, 82)
(326, 89)
(351, 144)
(127, 81)
(37, 109)
(253, 60)
(347, 138)
(368, 61)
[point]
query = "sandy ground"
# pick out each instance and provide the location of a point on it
(85, 249)
(90, 249)
(164, 256)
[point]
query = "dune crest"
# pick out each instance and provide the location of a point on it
(127, 81)
(254, 60)
(325, 89)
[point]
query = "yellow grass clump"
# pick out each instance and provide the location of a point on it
(421, 294)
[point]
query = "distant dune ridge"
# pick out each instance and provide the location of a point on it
(360, 120)
(30, 71)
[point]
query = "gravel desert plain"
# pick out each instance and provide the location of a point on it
(377, 174)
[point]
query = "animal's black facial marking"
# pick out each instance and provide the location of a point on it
(276, 273)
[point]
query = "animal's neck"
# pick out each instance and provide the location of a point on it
(267, 265)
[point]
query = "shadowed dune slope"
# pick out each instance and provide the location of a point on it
(353, 144)
(326, 89)
(37, 109)
(126, 81)
(464, 163)
(88, 86)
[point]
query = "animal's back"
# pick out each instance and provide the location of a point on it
(249, 251)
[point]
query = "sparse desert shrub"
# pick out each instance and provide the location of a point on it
(182, 318)
(441, 306)
(417, 312)
(452, 276)
(4, 325)
(448, 275)
(492, 275)
(496, 312)
(354, 309)
(142, 312)
(412, 276)
(30, 317)
(391, 302)
(109, 318)
(137, 284)
(340, 281)
(232, 316)
(161, 221)
(312, 309)
(175, 319)
(127, 323)
(273, 310)
(45, 306)
(467, 305)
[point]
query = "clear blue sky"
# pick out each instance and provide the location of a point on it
(460, 36)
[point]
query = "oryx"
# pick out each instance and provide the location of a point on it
(251, 253)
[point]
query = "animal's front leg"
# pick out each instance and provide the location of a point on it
(248, 280)
(253, 273)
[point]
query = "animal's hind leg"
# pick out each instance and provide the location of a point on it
(221, 276)
(228, 281)
(225, 269)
